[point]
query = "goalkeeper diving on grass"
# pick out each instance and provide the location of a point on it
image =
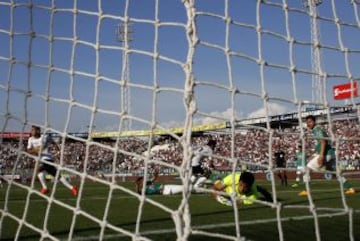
(246, 191)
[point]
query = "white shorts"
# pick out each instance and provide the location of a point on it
(300, 170)
(172, 189)
(328, 163)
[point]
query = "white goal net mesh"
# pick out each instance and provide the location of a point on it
(130, 71)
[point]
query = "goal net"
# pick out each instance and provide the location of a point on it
(109, 79)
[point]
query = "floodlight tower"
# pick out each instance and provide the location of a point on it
(318, 81)
(124, 34)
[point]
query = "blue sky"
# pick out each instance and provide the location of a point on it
(209, 63)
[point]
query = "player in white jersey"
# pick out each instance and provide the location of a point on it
(199, 173)
(39, 145)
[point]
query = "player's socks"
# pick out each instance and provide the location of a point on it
(41, 177)
(199, 183)
(347, 186)
(306, 178)
(66, 183)
(297, 181)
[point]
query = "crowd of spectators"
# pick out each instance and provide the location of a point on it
(251, 147)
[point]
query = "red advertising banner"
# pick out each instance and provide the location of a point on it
(14, 135)
(345, 91)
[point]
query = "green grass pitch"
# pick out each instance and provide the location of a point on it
(206, 215)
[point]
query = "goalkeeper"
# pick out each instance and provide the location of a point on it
(245, 189)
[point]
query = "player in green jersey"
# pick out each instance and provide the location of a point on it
(152, 187)
(324, 158)
(300, 162)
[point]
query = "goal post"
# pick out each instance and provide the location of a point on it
(235, 71)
